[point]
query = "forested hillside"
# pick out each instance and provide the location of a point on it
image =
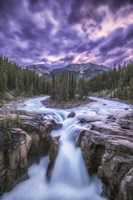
(21, 81)
(118, 80)
(65, 86)
(25, 83)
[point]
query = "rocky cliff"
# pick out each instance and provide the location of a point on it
(108, 150)
(21, 146)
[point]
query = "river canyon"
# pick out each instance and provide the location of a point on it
(72, 176)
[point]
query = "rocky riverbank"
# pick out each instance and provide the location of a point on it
(66, 105)
(10, 106)
(24, 139)
(108, 150)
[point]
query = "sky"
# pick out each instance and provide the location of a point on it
(60, 32)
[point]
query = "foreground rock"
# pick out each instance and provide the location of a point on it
(108, 150)
(52, 155)
(13, 158)
(19, 147)
(71, 114)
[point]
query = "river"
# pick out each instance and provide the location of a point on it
(70, 179)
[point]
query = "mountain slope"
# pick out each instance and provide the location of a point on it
(115, 83)
(41, 69)
(87, 70)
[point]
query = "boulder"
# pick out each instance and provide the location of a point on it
(71, 114)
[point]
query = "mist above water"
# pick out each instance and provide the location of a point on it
(70, 179)
(37, 187)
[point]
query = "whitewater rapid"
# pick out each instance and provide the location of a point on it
(70, 179)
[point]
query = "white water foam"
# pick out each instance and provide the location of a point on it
(70, 179)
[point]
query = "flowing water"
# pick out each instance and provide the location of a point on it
(70, 179)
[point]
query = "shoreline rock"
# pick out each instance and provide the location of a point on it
(22, 146)
(108, 150)
(66, 105)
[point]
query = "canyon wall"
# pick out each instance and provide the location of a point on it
(21, 146)
(108, 150)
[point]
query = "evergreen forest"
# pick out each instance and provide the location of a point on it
(119, 81)
(65, 87)
(22, 82)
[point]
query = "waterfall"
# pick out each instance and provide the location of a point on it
(69, 167)
(69, 179)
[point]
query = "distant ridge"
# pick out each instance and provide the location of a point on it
(87, 70)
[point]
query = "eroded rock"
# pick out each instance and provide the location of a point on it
(52, 155)
(20, 147)
(13, 158)
(126, 186)
(108, 150)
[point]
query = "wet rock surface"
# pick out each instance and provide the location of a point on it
(71, 114)
(52, 156)
(108, 150)
(21, 146)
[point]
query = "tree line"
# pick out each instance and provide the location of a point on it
(25, 83)
(118, 80)
(22, 82)
(65, 86)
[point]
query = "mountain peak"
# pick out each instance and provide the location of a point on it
(86, 69)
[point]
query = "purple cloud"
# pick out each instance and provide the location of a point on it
(69, 31)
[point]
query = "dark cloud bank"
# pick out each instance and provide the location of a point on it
(59, 32)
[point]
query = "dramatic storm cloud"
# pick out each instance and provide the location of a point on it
(59, 32)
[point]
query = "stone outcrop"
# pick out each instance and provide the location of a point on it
(13, 159)
(52, 155)
(19, 147)
(126, 187)
(108, 150)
